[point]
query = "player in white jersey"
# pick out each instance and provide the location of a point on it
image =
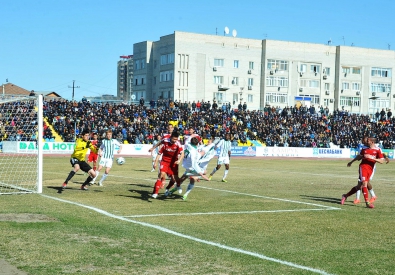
(223, 157)
(205, 154)
(187, 138)
(155, 152)
(106, 153)
(191, 164)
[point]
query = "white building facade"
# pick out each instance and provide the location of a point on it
(189, 67)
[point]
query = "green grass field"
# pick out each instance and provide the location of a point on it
(274, 216)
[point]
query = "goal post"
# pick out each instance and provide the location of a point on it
(21, 166)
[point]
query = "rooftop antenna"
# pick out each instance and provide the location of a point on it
(344, 41)
(226, 31)
(330, 41)
(389, 46)
(234, 33)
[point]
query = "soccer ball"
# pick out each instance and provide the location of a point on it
(120, 160)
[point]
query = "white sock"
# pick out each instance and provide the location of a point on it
(189, 189)
(372, 193)
(103, 177)
(358, 194)
(225, 174)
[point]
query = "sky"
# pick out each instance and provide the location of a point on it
(46, 44)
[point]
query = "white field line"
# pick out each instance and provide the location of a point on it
(163, 229)
(228, 213)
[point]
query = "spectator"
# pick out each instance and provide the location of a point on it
(142, 101)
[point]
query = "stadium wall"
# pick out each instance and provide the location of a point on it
(240, 151)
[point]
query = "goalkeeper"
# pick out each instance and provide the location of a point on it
(78, 162)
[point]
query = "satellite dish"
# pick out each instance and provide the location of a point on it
(226, 30)
(234, 33)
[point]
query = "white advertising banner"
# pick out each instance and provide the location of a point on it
(302, 152)
(68, 148)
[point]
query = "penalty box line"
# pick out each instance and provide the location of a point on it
(181, 235)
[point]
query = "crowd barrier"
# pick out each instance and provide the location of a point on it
(241, 151)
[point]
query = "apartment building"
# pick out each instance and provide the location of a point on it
(190, 67)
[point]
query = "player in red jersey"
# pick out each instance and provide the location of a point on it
(92, 155)
(172, 154)
(369, 157)
(187, 140)
(170, 129)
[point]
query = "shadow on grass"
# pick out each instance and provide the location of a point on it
(141, 195)
(140, 185)
(323, 199)
(60, 190)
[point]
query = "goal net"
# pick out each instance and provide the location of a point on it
(21, 143)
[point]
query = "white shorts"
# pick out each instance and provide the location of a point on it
(105, 162)
(223, 160)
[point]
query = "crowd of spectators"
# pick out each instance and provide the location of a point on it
(294, 126)
(18, 121)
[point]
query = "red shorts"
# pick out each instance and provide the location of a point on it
(93, 157)
(170, 170)
(365, 173)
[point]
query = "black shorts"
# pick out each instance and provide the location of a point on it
(83, 165)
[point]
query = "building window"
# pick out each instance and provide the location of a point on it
(236, 64)
(303, 68)
(315, 99)
(137, 65)
(166, 76)
(272, 81)
(356, 86)
(314, 69)
(235, 97)
(218, 96)
(381, 72)
(346, 70)
(276, 98)
(356, 70)
(218, 79)
(235, 81)
(251, 65)
(380, 87)
(250, 82)
(327, 86)
(346, 86)
(326, 101)
(167, 59)
(327, 71)
(277, 65)
(349, 101)
(218, 62)
(314, 84)
(250, 98)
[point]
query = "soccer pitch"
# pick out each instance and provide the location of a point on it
(273, 216)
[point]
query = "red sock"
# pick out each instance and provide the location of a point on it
(365, 194)
(94, 168)
(352, 191)
(170, 185)
(157, 186)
